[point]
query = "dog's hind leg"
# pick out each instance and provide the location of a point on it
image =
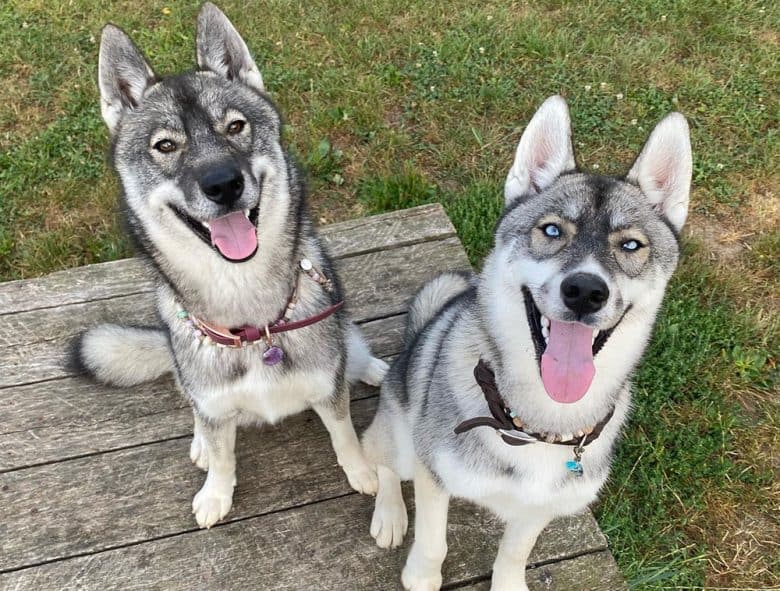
(214, 499)
(334, 413)
(390, 519)
(362, 366)
(516, 544)
(422, 571)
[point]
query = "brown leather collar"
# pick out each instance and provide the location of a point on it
(506, 424)
(236, 337)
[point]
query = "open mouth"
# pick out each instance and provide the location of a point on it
(565, 352)
(233, 236)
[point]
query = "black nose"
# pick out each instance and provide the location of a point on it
(222, 185)
(584, 293)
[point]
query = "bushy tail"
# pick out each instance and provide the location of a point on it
(123, 355)
(433, 295)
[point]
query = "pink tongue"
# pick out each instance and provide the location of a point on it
(567, 363)
(234, 236)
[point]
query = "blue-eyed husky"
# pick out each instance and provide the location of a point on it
(250, 307)
(538, 348)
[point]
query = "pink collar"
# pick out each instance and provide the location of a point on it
(245, 335)
(236, 337)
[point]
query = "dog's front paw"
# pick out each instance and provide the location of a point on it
(361, 476)
(212, 503)
(389, 522)
(199, 453)
(375, 372)
(512, 585)
(415, 580)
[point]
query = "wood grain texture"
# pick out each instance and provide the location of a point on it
(54, 511)
(591, 572)
(131, 495)
(377, 285)
(323, 546)
(388, 230)
(127, 276)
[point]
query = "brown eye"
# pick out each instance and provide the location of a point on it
(165, 146)
(236, 127)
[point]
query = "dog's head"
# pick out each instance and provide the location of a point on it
(582, 254)
(197, 152)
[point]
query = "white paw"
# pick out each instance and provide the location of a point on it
(375, 372)
(361, 476)
(389, 522)
(199, 453)
(510, 585)
(420, 581)
(211, 503)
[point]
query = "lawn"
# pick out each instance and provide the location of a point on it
(389, 106)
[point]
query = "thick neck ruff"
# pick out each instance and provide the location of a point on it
(512, 430)
(215, 334)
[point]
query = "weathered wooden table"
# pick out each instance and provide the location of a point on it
(96, 483)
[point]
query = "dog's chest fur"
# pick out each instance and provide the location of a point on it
(256, 398)
(529, 476)
(227, 382)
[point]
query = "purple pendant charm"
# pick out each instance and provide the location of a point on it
(273, 355)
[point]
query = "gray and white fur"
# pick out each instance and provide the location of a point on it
(192, 151)
(617, 241)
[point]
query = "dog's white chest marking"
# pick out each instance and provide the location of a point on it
(535, 484)
(267, 400)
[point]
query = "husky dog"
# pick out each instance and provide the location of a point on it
(217, 206)
(539, 347)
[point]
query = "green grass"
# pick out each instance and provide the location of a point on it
(391, 107)
(679, 455)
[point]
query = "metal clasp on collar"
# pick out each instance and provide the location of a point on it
(575, 466)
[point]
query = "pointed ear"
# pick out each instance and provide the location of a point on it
(123, 75)
(664, 167)
(222, 50)
(544, 151)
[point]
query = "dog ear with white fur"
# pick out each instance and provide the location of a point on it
(123, 76)
(222, 50)
(544, 151)
(664, 167)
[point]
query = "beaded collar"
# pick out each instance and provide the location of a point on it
(214, 334)
(512, 430)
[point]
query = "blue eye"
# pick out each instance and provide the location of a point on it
(631, 245)
(551, 231)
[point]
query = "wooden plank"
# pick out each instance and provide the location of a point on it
(377, 284)
(49, 512)
(266, 553)
(73, 417)
(48, 360)
(591, 572)
(23, 329)
(78, 401)
(64, 509)
(381, 283)
(64, 441)
(107, 280)
(388, 230)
